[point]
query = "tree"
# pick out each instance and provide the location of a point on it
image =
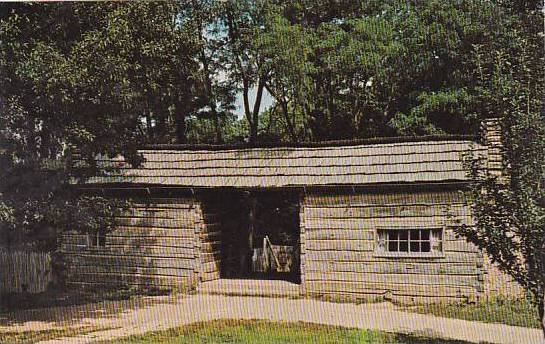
(510, 209)
(378, 68)
(242, 61)
(93, 78)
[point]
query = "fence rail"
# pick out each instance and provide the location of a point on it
(24, 271)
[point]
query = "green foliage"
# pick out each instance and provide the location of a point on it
(96, 78)
(510, 210)
(253, 331)
(380, 68)
(514, 312)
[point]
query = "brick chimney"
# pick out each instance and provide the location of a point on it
(491, 135)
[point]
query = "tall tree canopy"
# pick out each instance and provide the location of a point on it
(381, 68)
(510, 209)
(101, 78)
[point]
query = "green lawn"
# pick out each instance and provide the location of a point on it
(515, 312)
(257, 331)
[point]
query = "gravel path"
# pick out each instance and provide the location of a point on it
(167, 312)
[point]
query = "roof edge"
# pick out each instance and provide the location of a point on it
(308, 144)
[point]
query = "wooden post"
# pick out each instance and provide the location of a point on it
(265, 255)
(252, 217)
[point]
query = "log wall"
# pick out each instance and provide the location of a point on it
(210, 242)
(153, 245)
(338, 247)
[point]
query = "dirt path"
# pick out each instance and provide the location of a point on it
(164, 312)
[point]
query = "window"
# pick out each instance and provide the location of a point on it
(96, 239)
(409, 241)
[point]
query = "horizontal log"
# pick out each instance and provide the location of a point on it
(364, 257)
(210, 257)
(128, 261)
(147, 250)
(143, 242)
(131, 279)
(402, 267)
(385, 199)
(150, 231)
(141, 237)
(209, 276)
(339, 234)
(106, 252)
(113, 269)
(393, 222)
(180, 222)
(340, 245)
(459, 246)
(210, 246)
(211, 266)
(387, 279)
(372, 211)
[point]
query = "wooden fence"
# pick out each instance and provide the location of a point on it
(24, 271)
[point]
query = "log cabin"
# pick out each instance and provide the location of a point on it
(353, 220)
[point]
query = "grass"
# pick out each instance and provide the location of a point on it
(257, 331)
(27, 337)
(515, 312)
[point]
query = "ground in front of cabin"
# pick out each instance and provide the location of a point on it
(209, 318)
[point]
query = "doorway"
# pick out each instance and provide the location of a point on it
(259, 234)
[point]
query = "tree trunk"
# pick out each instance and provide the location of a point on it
(289, 124)
(210, 96)
(181, 136)
(254, 123)
(284, 106)
(247, 112)
(541, 311)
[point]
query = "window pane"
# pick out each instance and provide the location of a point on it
(410, 240)
(425, 234)
(393, 235)
(392, 246)
(101, 239)
(425, 246)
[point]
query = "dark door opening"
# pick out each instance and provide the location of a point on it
(260, 235)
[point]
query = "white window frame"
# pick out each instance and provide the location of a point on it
(382, 250)
(94, 240)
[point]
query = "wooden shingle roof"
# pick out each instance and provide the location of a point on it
(399, 162)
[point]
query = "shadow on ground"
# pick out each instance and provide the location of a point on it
(65, 307)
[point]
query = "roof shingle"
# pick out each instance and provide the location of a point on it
(404, 162)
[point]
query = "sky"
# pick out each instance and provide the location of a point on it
(266, 102)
